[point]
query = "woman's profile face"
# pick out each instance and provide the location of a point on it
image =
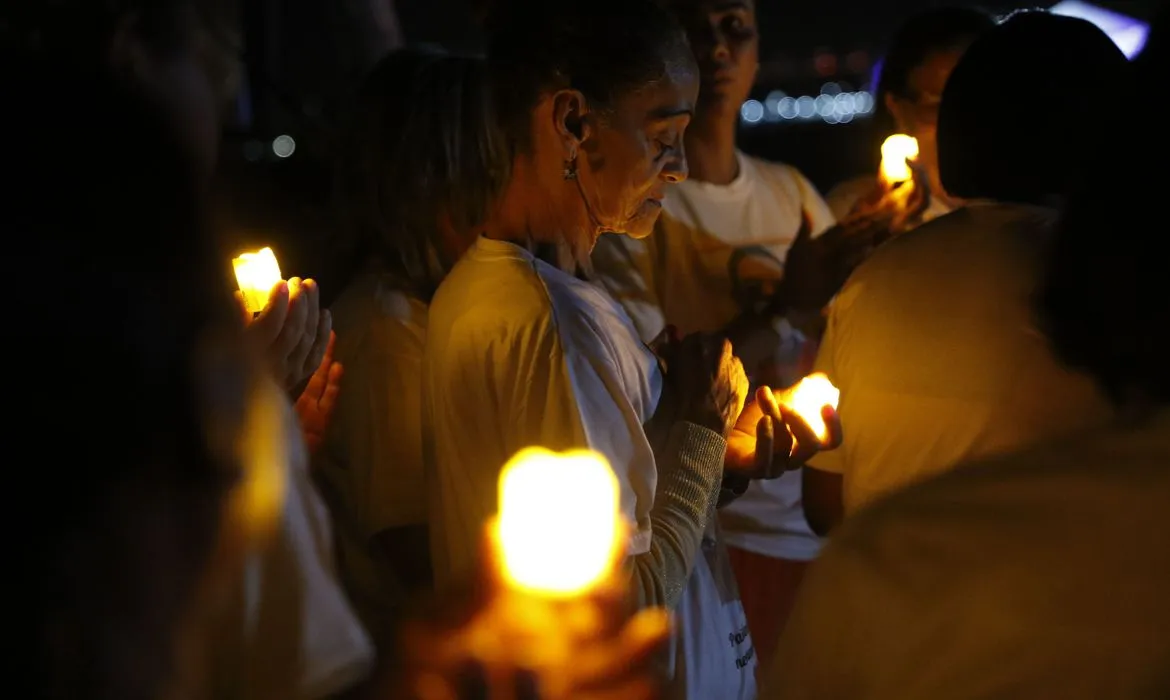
(916, 113)
(636, 150)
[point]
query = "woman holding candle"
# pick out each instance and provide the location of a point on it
(418, 167)
(715, 264)
(593, 100)
(920, 58)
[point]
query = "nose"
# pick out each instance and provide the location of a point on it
(675, 170)
(707, 38)
(719, 50)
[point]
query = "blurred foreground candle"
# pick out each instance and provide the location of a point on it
(808, 397)
(256, 273)
(560, 521)
(895, 151)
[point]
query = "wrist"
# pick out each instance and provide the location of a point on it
(732, 487)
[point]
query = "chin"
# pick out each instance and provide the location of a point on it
(642, 226)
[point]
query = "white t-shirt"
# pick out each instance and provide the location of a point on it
(716, 252)
(520, 354)
(290, 632)
(1042, 574)
(371, 463)
(933, 345)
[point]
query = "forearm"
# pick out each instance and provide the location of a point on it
(690, 470)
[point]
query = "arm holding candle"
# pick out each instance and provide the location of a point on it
(296, 338)
(690, 468)
(612, 652)
(289, 327)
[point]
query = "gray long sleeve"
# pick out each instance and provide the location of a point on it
(690, 470)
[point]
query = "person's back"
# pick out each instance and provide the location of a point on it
(1041, 574)
(411, 187)
(934, 346)
(932, 340)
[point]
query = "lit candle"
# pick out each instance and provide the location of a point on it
(560, 521)
(256, 273)
(808, 397)
(895, 151)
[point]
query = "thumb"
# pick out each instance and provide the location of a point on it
(805, 230)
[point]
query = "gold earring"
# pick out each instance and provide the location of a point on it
(570, 171)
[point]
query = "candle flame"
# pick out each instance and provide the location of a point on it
(809, 397)
(256, 273)
(895, 151)
(560, 521)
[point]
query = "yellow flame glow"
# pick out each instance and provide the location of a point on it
(895, 151)
(256, 273)
(264, 453)
(560, 521)
(808, 397)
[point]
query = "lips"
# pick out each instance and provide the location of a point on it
(718, 75)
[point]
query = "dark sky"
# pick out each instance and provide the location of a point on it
(795, 27)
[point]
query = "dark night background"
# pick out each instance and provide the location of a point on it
(303, 58)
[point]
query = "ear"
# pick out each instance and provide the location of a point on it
(897, 109)
(570, 112)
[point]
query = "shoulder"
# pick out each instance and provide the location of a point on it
(992, 505)
(495, 288)
(375, 315)
(788, 182)
(969, 240)
(782, 175)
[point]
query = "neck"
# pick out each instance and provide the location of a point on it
(548, 220)
(710, 142)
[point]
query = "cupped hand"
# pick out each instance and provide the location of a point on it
(486, 641)
(315, 405)
(292, 331)
(770, 439)
(705, 380)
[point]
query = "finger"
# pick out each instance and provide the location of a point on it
(806, 441)
(313, 315)
(765, 445)
(805, 230)
(525, 685)
(321, 339)
(631, 654)
(267, 326)
(490, 576)
(308, 344)
(319, 380)
(472, 681)
(726, 352)
(833, 425)
(282, 348)
(242, 305)
(328, 400)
